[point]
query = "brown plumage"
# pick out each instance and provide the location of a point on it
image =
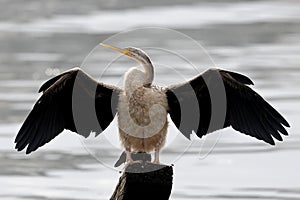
(141, 129)
(142, 108)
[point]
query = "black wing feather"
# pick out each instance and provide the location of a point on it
(246, 111)
(54, 111)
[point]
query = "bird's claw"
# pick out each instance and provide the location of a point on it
(130, 162)
(134, 161)
(156, 163)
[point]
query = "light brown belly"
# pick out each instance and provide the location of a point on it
(142, 119)
(148, 144)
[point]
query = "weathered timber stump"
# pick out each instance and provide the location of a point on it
(145, 181)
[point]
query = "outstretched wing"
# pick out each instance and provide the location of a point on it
(72, 100)
(217, 99)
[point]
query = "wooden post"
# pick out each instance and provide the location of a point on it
(144, 181)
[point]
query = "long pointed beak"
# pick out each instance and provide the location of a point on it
(123, 51)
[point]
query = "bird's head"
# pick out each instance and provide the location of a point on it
(132, 52)
(140, 56)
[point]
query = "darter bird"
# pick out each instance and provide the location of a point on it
(142, 108)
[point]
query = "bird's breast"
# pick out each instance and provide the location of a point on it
(143, 113)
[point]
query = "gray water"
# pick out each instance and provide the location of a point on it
(260, 39)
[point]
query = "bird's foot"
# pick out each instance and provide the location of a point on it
(133, 161)
(130, 162)
(155, 162)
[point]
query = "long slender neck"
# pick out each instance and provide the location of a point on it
(136, 78)
(149, 71)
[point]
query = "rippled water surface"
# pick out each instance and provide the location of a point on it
(260, 39)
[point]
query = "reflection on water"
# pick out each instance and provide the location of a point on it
(257, 38)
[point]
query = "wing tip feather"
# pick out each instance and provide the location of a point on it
(239, 77)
